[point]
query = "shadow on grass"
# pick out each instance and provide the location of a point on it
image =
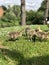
(15, 55)
(46, 30)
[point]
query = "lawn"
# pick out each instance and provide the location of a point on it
(22, 51)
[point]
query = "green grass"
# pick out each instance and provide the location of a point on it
(22, 51)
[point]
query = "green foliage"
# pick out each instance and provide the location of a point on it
(12, 16)
(16, 10)
(4, 8)
(38, 18)
(35, 17)
(43, 6)
(9, 18)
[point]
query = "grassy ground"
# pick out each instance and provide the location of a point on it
(22, 51)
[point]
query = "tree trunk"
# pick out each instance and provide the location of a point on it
(46, 10)
(23, 14)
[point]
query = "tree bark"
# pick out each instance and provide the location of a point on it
(23, 13)
(46, 10)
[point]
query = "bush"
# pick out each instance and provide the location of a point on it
(34, 17)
